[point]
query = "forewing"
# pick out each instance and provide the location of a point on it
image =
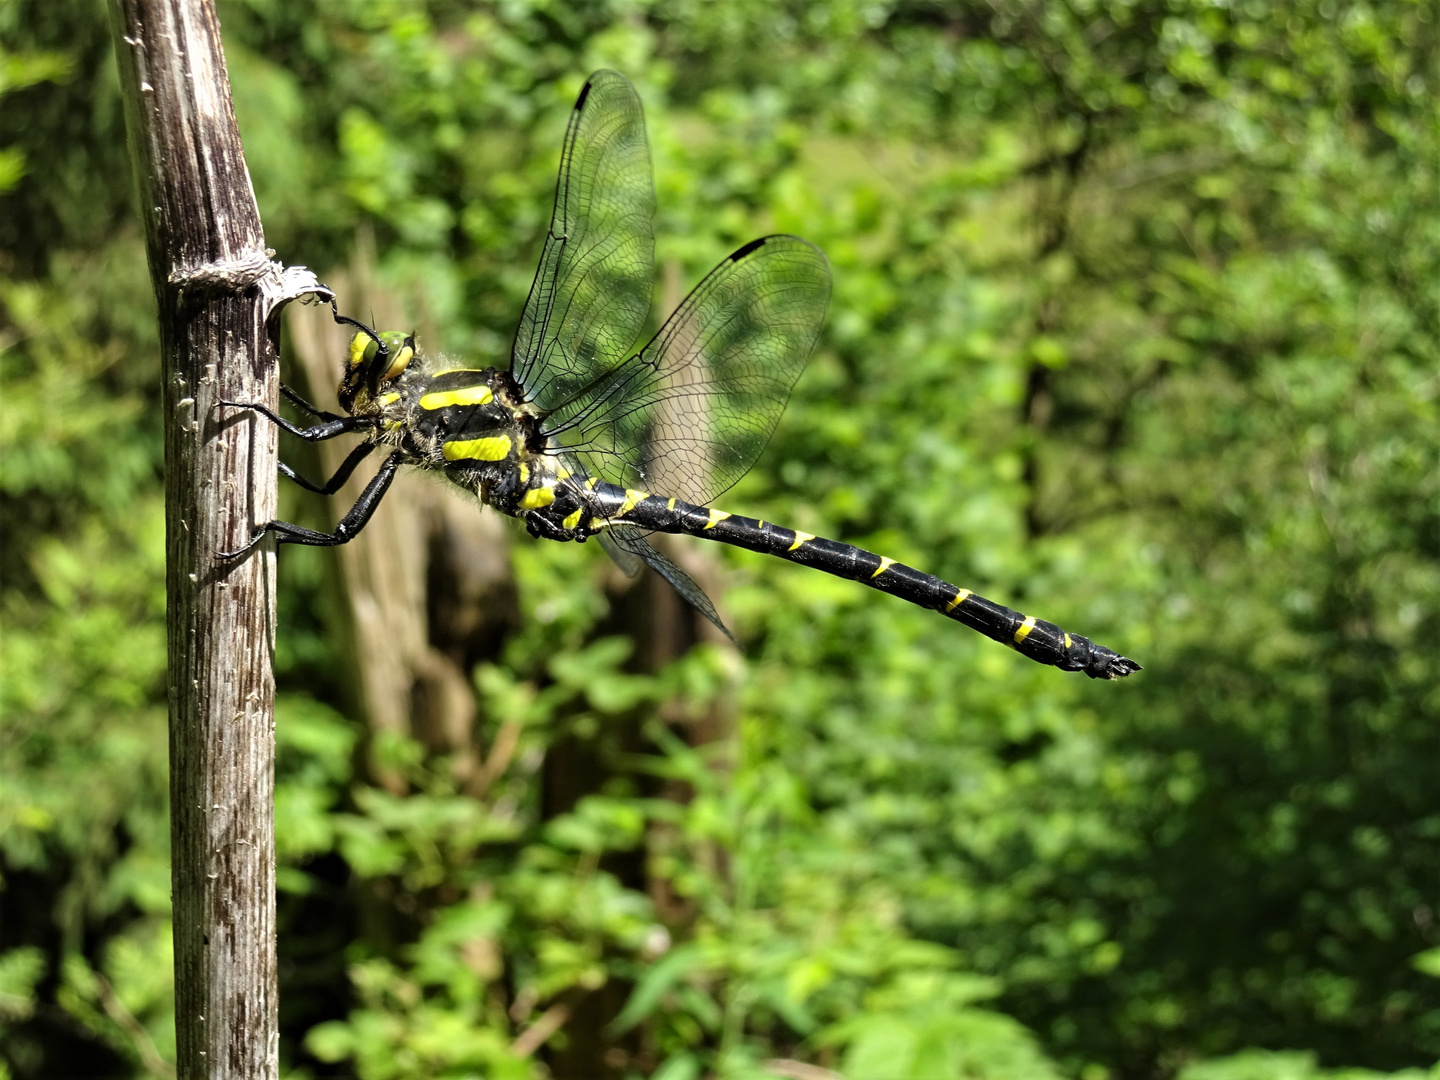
(591, 294)
(689, 414)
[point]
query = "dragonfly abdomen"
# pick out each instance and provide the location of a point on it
(1035, 638)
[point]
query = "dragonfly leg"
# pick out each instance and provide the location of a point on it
(354, 520)
(316, 433)
(345, 320)
(542, 528)
(336, 482)
(300, 403)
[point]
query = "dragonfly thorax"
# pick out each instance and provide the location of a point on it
(471, 424)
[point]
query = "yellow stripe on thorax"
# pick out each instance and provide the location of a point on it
(574, 519)
(537, 498)
(490, 448)
(466, 395)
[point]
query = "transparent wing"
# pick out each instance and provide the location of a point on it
(620, 555)
(632, 543)
(591, 294)
(689, 414)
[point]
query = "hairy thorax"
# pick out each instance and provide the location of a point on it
(470, 424)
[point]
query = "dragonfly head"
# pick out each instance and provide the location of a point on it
(374, 360)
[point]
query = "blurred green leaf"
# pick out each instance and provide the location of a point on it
(20, 970)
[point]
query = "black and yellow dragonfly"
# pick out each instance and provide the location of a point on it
(578, 437)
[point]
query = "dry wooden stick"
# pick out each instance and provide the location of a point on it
(218, 293)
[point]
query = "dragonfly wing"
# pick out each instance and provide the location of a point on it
(623, 557)
(633, 544)
(689, 414)
(591, 294)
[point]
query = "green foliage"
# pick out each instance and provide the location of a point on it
(1285, 1065)
(925, 1026)
(1134, 325)
(19, 69)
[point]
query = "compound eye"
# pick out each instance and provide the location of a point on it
(401, 359)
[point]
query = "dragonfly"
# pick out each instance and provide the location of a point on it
(580, 437)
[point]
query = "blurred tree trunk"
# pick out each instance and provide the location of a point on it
(216, 291)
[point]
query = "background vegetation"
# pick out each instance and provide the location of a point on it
(1135, 326)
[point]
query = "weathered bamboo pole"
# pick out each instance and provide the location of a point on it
(217, 293)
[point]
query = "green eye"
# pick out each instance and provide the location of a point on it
(401, 358)
(400, 348)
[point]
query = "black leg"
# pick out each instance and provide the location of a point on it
(342, 474)
(345, 320)
(300, 403)
(543, 529)
(319, 433)
(354, 520)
